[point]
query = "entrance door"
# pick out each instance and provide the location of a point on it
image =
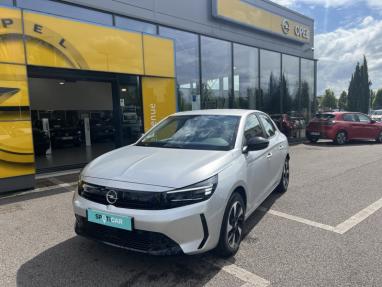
(78, 116)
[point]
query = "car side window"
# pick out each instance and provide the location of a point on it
(252, 128)
(363, 118)
(268, 125)
(349, 118)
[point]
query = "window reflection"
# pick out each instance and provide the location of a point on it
(269, 99)
(135, 25)
(187, 67)
(246, 83)
(216, 73)
(307, 88)
(290, 84)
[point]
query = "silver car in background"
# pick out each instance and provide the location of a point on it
(186, 186)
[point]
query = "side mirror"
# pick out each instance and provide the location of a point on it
(256, 143)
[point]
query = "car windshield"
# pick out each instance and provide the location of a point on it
(203, 132)
(377, 113)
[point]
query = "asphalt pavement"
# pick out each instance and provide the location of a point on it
(325, 231)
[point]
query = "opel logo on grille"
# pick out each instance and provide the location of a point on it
(111, 196)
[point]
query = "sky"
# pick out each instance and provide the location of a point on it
(345, 30)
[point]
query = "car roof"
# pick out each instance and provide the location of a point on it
(222, 112)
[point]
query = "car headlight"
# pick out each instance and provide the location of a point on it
(198, 192)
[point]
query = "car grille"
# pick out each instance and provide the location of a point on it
(126, 198)
(137, 240)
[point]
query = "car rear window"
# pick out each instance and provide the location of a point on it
(325, 116)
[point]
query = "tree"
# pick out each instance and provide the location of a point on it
(343, 101)
(377, 102)
(329, 101)
(359, 89)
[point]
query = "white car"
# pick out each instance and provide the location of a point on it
(376, 115)
(186, 186)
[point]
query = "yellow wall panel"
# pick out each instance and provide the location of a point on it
(159, 100)
(65, 43)
(16, 149)
(13, 86)
(159, 56)
(11, 44)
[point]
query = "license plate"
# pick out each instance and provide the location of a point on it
(67, 138)
(112, 220)
(315, 133)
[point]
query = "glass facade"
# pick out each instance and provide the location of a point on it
(269, 98)
(307, 88)
(135, 25)
(246, 76)
(290, 84)
(187, 67)
(216, 59)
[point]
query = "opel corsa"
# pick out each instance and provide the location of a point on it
(187, 186)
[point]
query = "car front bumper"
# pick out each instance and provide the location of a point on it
(189, 229)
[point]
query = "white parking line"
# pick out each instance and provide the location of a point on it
(250, 279)
(298, 219)
(359, 217)
(58, 173)
(340, 228)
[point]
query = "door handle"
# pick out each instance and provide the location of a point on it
(269, 155)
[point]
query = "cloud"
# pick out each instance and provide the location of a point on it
(374, 4)
(339, 51)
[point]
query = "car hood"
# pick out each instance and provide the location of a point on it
(173, 168)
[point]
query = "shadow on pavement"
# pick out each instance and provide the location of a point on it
(82, 262)
(329, 143)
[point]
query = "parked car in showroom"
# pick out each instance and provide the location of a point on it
(376, 115)
(63, 133)
(186, 186)
(342, 127)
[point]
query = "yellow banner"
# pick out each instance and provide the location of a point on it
(11, 43)
(57, 42)
(13, 86)
(242, 12)
(159, 100)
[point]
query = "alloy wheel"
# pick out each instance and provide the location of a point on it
(341, 138)
(235, 225)
(286, 175)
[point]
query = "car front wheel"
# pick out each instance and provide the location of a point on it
(379, 138)
(232, 229)
(341, 138)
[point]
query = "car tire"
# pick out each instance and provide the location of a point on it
(341, 138)
(284, 181)
(379, 138)
(231, 231)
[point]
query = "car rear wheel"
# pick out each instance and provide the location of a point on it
(232, 227)
(284, 181)
(341, 138)
(379, 138)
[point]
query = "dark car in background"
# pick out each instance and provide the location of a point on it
(289, 124)
(342, 127)
(101, 130)
(63, 133)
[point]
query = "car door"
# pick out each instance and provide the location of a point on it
(368, 130)
(275, 151)
(351, 125)
(258, 164)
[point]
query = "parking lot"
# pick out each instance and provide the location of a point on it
(325, 231)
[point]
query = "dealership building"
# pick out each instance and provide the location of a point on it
(79, 78)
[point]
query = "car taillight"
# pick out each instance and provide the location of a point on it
(331, 123)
